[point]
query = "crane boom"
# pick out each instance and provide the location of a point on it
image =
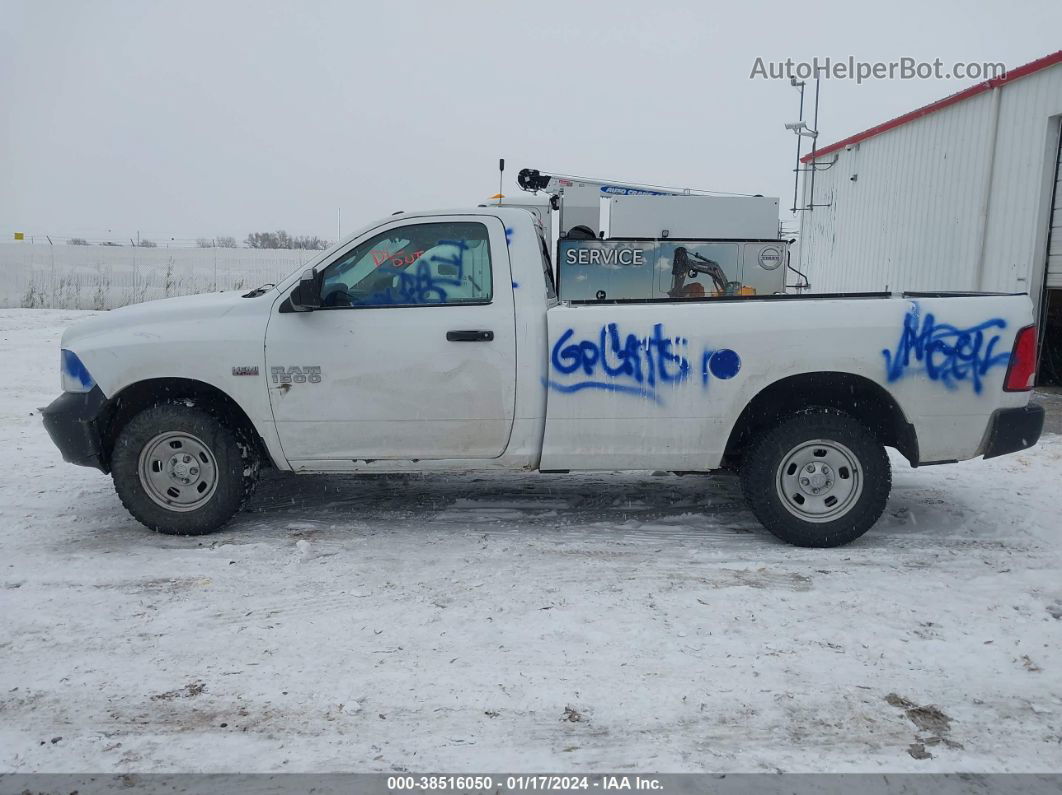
(533, 180)
(579, 198)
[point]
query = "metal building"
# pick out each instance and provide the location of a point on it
(962, 194)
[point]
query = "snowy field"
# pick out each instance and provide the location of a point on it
(35, 276)
(526, 623)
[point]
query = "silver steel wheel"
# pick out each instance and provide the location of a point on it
(178, 471)
(819, 480)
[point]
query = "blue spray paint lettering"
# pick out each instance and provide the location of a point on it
(629, 364)
(947, 354)
(425, 283)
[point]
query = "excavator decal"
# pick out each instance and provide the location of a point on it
(691, 263)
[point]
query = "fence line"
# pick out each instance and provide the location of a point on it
(105, 277)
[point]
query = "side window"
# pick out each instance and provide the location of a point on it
(434, 263)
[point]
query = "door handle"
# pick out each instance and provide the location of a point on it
(469, 336)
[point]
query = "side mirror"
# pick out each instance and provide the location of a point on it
(306, 296)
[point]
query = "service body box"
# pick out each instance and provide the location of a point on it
(733, 217)
(625, 270)
(582, 202)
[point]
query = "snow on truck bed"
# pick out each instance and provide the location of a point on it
(526, 623)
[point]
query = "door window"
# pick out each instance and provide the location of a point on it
(434, 263)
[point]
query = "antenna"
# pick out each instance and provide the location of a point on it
(797, 127)
(814, 147)
(801, 129)
(501, 174)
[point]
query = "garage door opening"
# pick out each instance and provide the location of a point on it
(1051, 341)
(1050, 372)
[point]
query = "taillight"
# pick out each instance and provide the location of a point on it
(1021, 373)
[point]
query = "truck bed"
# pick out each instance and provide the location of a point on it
(661, 383)
(789, 297)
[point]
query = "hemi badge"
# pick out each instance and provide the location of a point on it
(245, 369)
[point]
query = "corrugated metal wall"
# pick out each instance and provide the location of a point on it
(908, 207)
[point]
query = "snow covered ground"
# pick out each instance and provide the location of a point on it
(523, 623)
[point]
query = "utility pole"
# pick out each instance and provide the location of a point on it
(814, 147)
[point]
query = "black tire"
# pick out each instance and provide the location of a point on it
(232, 461)
(859, 496)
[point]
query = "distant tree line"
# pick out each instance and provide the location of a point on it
(80, 241)
(281, 239)
(278, 239)
(218, 242)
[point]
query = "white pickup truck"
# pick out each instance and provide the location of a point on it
(436, 342)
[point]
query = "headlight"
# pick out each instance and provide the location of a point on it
(75, 376)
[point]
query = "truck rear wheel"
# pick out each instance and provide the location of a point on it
(181, 471)
(817, 479)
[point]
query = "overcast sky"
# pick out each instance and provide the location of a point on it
(187, 119)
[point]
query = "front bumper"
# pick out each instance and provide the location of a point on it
(1014, 429)
(72, 420)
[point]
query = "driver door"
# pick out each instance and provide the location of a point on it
(412, 354)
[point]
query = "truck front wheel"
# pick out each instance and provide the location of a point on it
(817, 479)
(180, 470)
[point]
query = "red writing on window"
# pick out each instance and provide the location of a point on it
(396, 261)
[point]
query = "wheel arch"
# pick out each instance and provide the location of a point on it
(867, 401)
(135, 397)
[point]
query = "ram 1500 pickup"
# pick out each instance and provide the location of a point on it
(436, 342)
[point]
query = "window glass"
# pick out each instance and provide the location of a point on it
(436, 263)
(547, 269)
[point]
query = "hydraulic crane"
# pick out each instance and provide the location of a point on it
(579, 198)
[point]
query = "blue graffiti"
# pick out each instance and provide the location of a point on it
(426, 282)
(508, 236)
(946, 353)
(633, 365)
(723, 363)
